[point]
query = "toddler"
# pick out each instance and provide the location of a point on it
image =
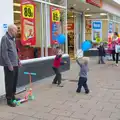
(56, 67)
(83, 75)
(101, 52)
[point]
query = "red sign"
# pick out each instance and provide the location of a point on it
(70, 26)
(28, 25)
(97, 3)
(54, 24)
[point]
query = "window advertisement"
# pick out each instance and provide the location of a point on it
(28, 22)
(54, 24)
(110, 28)
(110, 34)
(96, 31)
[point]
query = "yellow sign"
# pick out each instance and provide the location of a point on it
(55, 16)
(98, 40)
(28, 11)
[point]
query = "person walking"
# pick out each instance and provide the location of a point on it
(9, 59)
(115, 55)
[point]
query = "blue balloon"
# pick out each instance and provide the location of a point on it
(86, 45)
(61, 39)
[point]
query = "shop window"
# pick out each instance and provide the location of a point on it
(43, 21)
(58, 25)
(27, 51)
(59, 2)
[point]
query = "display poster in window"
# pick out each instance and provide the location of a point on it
(110, 29)
(54, 24)
(88, 28)
(96, 31)
(28, 25)
(110, 34)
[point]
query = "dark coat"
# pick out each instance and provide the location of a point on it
(101, 51)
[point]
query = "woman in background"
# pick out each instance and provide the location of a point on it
(114, 43)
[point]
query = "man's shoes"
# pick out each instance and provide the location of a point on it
(10, 103)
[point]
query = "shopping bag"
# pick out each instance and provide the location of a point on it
(117, 48)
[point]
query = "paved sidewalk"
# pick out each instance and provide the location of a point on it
(54, 103)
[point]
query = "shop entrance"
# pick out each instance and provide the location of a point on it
(71, 34)
(74, 33)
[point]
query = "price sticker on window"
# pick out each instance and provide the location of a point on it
(55, 16)
(28, 11)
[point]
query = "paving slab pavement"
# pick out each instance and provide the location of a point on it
(54, 103)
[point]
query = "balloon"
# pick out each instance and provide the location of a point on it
(86, 45)
(61, 38)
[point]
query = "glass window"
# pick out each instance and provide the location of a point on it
(27, 51)
(59, 2)
(44, 29)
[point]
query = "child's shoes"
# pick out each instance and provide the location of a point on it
(87, 92)
(77, 91)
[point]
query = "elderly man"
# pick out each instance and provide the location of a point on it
(9, 59)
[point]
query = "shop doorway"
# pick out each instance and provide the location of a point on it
(74, 33)
(70, 27)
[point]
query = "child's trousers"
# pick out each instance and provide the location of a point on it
(101, 60)
(82, 83)
(57, 79)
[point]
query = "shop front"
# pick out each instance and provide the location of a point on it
(100, 26)
(80, 17)
(37, 38)
(39, 22)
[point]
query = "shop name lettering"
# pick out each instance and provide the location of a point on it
(97, 25)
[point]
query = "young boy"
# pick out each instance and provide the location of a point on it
(83, 75)
(56, 66)
(101, 52)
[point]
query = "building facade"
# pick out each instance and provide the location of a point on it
(43, 20)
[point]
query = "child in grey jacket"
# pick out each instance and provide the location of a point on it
(83, 75)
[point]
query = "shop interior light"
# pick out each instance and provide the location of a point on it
(16, 4)
(88, 15)
(17, 12)
(103, 14)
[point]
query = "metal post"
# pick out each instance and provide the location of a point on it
(42, 30)
(66, 44)
(83, 27)
(46, 30)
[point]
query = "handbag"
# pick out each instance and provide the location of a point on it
(117, 48)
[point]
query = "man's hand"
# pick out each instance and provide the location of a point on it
(10, 68)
